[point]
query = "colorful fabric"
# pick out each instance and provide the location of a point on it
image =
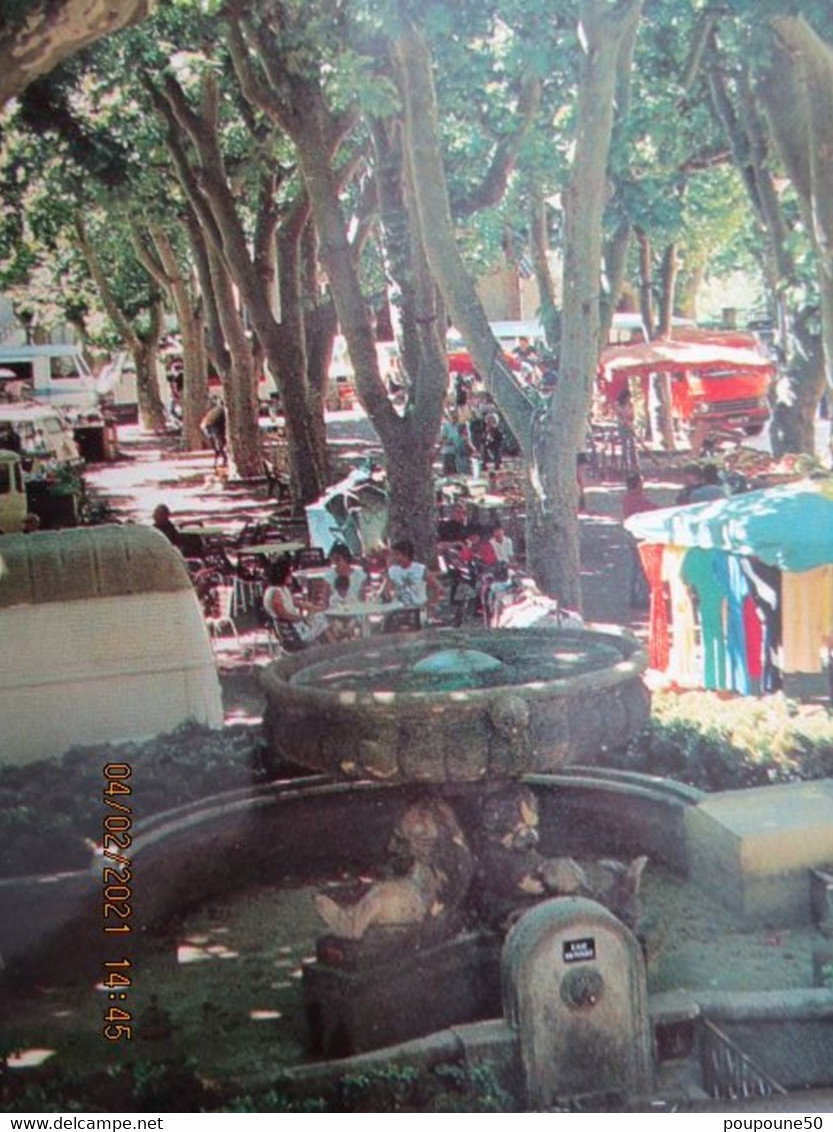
(683, 661)
(659, 642)
(698, 571)
(808, 618)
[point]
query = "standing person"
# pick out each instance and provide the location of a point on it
(449, 443)
(408, 581)
(491, 445)
(465, 449)
(213, 428)
(626, 422)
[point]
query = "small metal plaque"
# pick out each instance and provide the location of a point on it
(578, 950)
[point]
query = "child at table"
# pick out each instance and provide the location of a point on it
(281, 602)
(346, 582)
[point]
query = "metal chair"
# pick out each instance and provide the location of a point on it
(222, 618)
(284, 635)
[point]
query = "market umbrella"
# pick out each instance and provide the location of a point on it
(789, 526)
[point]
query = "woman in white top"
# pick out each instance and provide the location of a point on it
(347, 586)
(280, 602)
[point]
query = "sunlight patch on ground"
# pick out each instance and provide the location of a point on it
(193, 952)
(28, 1058)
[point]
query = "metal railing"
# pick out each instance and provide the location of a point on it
(728, 1072)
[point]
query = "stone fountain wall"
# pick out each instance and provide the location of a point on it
(456, 735)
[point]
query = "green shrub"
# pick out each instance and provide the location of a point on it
(715, 743)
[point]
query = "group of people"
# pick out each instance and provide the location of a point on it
(346, 583)
(468, 434)
(480, 561)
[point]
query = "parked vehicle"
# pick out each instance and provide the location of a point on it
(13, 505)
(45, 435)
(57, 373)
(717, 382)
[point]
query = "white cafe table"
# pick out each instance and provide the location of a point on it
(206, 532)
(363, 612)
(309, 573)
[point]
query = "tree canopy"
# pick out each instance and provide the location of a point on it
(339, 159)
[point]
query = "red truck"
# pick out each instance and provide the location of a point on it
(718, 382)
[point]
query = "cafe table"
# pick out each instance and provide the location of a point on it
(206, 532)
(363, 612)
(270, 549)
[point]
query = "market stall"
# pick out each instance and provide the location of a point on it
(741, 588)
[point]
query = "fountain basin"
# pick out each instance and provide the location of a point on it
(457, 705)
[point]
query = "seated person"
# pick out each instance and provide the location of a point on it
(692, 479)
(710, 486)
(165, 525)
(478, 552)
(452, 530)
(281, 602)
(408, 581)
(345, 584)
(502, 545)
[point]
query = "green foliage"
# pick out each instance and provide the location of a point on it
(718, 744)
(143, 1085)
(394, 1087)
(51, 810)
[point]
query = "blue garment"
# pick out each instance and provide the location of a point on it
(730, 573)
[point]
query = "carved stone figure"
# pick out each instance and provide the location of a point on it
(512, 873)
(435, 863)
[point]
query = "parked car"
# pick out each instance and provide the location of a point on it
(45, 435)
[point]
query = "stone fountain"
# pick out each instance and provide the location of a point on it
(461, 717)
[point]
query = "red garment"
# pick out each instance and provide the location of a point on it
(659, 644)
(483, 555)
(754, 634)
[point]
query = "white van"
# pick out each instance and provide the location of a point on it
(55, 373)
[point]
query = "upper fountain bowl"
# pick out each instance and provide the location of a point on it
(457, 705)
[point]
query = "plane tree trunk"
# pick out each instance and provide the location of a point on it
(549, 436)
